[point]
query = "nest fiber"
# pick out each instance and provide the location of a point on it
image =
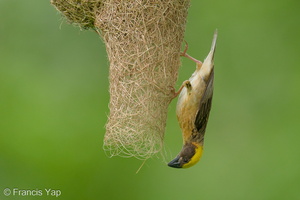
(143, 40)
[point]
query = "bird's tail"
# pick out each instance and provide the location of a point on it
(208, 64)
(214, 42)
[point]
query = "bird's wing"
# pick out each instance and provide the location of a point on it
(204, 107)
(205, 102)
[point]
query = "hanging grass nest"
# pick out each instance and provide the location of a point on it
(143, 40)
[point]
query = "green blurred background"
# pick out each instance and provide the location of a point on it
(54, 105)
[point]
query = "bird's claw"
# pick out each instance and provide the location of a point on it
(185, 49)
(184, 54)
(172, 91)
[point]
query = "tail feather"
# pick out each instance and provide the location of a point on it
(214, 42)
(208, 64)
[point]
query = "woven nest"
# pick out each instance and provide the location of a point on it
(143, 40)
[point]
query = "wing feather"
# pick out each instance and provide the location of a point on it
(204, 107)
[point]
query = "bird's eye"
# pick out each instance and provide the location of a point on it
(185, 160)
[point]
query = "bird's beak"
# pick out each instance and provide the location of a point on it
(175, 163)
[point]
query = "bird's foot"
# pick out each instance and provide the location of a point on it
(186, 84)
(184, 54)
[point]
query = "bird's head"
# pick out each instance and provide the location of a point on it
(189, 156)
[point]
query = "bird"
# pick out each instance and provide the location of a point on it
(193, 108)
